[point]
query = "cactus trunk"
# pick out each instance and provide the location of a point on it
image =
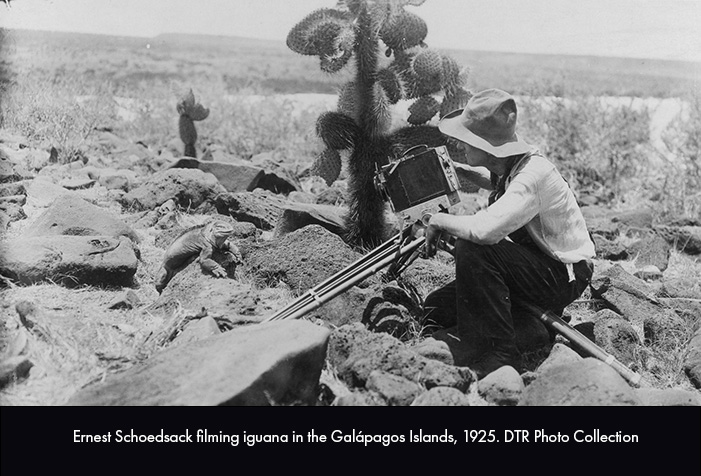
(366, 219)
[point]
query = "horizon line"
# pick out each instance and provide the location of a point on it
(279, 41)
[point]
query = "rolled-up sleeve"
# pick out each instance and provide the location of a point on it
(514, 209)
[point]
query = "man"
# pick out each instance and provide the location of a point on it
(529, 248)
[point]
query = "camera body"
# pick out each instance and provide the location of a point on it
(421, 181)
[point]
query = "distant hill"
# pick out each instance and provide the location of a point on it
(271, 66)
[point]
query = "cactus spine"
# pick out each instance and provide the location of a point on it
(190, 111)
(391, 63)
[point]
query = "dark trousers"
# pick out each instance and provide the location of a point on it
(495, 284)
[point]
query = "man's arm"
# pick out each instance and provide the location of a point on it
(514, 209)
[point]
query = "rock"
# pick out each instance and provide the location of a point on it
(42, 192)
(649, 273)
(301, 259)
(633, 299)
(11, 207)
(692, 360)
(69, 260)
(356, 352)
(128, 300)
(670, 397)
(442, 397)
(608, 249)
(197, 330)
(599, 221)
(8, 173)
(396, 390)
(688, 309)
(588, 382)
(502, 387)
(559, 355)
(190, 188)
(301, 197)
(360, 399)
(195, 291)
(268, 364)
(435, 349)
(235, 175)
(297, 215)
(113, 179)
(651, 250)
(14, 369)
(617, 337)
(12, 189)
(71, 215)
(686, 239)
(681, 287)
(334, 195)
(348, 307)
(639, 217)
(260, 207)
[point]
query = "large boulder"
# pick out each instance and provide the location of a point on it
(69, 260)
(190, 188)
(260, 207)
(298, 215)
(301, 259)
(72, 215)
(685, 238)
(634, 300)
(588, 382)
(235, 175)
(267, 364)
(356, 352)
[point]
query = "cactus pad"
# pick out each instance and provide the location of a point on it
(389, 80)
(452, 76)
(337, 130)
(305, 37)
(327, 166)
(187, 106)
(428, 63)
(347, 99)
(406, 31)
(423, 110)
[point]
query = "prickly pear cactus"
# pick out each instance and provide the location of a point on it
(391, 63)
(190, 111)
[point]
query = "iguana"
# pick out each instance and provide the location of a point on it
(200, 241)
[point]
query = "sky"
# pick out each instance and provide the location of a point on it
(659, 29)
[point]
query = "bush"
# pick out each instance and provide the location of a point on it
(680, 196)
(601, 147)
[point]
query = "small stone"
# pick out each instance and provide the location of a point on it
(442, 396)
(502, 387)
(13, 369)
(128, 300)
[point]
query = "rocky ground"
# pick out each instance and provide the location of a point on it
(82, 323)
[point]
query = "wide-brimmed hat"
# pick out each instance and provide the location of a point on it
(488, 122)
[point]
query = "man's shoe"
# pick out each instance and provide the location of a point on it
(502, 353)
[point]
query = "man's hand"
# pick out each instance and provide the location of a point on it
(433, 236)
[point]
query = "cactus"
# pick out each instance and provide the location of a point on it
(190, 111)
(391, 63)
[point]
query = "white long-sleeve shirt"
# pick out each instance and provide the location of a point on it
(537, 197)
